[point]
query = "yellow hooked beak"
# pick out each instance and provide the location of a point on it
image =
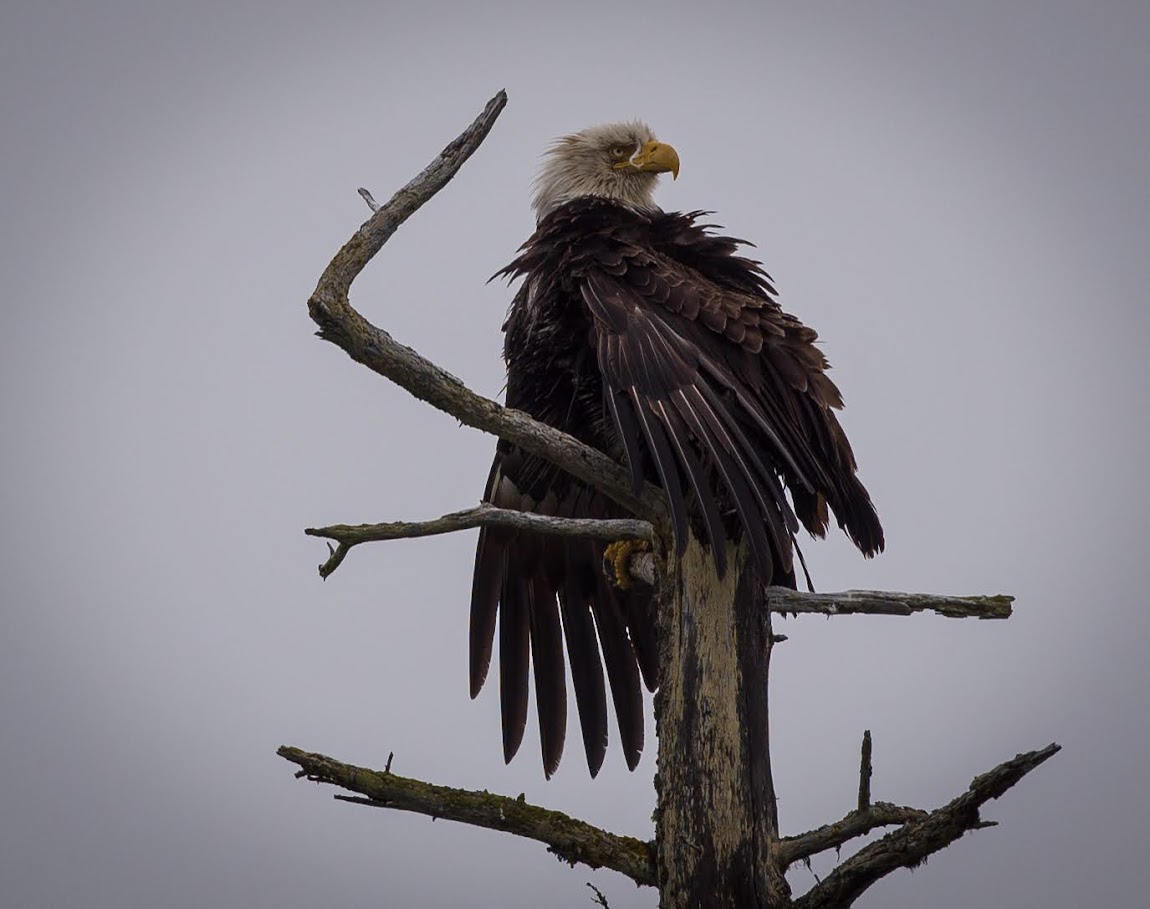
(654, 157)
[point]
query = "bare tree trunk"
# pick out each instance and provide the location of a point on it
(716, 823)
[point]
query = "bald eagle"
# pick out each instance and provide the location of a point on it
(644, 334)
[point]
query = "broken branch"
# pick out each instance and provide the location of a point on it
(572, 840)
(886, 602)
(862, 602)
(484, 515)
(865, 771)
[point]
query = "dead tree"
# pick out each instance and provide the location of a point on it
(716, 841)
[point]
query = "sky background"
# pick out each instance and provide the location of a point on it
(954, 195)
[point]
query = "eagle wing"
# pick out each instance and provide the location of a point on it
(523, 584)
(705, 376)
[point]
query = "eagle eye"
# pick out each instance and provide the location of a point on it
(620, 152)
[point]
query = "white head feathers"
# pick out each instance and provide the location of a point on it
(619, 161)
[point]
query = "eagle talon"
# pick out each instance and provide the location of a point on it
(617, 561)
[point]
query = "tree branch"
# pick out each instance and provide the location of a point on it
(861, 602)
(913, 843)
(866, 768)
(831, 836)
(335, 282)
(886, 602)
(484, 515)
(341, 324)
(572, 840)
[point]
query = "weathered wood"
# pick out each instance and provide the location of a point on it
(482, 515)
(887, 602)
(341, 324)
(787, 602)
(915, 841)
(572, 840)
(716, 821)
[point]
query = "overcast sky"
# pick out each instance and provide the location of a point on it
(955, 196)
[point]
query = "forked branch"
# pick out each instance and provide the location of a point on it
(341, 324)
(912, 843)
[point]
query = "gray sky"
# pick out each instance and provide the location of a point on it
(954, 195)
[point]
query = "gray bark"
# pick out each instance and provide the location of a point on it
(716, 823)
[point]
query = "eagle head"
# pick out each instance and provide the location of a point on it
(618, 161)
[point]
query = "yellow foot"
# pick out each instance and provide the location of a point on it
(617, 560)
